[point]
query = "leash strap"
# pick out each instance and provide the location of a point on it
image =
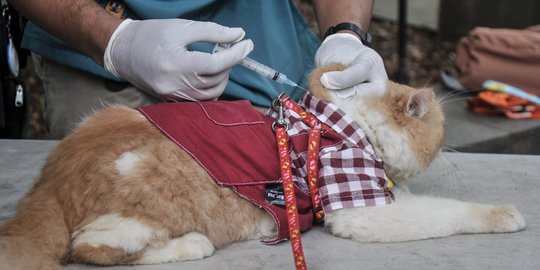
(290, 198)
(314, 141)
(280, 127)
(288, 187)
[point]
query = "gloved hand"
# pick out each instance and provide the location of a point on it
(152, 55)
(365, 74)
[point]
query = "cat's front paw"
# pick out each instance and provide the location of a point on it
(502, 219)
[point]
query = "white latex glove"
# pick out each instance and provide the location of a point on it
(365, 74)
(152, 55)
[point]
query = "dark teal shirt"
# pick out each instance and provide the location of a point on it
(280, 34)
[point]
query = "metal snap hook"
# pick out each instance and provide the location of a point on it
(280, 120)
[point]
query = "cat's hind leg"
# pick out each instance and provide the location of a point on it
(421, 217)
(191, 246)
(112, 239)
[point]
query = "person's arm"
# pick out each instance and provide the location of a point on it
(82, 23)
(332, 12)
(150, 54)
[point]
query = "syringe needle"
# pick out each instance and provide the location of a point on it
(285, 80)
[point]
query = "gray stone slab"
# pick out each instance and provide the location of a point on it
(486, 178)
(20, 163)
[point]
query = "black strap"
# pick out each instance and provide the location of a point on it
(365, 37)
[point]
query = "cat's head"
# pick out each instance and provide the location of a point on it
(405, 125)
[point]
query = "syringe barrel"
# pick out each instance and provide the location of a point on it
(268, 72)
(263, 70)
(260, 68)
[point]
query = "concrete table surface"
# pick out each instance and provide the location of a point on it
(485, 178)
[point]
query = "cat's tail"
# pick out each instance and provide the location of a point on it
(37, 237)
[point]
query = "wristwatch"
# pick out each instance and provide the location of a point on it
(365, 37)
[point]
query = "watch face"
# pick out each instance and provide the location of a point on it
(13, 59)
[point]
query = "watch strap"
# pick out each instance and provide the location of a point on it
(364, 36)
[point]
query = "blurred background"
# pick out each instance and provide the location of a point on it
(417, 40)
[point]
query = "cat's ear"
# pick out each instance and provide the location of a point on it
(418, 104)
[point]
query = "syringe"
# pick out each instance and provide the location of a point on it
(264, 70)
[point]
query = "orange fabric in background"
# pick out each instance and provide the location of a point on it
(488, 102)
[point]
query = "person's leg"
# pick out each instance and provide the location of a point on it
(72, 94)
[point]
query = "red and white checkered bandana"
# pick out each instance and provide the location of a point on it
(350, 173)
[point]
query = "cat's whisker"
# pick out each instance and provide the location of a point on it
(451, 148)
(428, 82)
(447, 148)
(469, 92)
(454, 171)
(445, 104)
(452, 97)
(444, 98)
(447, 175)
(451, 175)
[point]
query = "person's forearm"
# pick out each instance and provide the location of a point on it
(81, 23)
(332, 12)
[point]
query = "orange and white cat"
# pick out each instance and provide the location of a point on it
(117, 191)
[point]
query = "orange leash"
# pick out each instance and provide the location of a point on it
(290, 198)
(280, 127)
(313, 152)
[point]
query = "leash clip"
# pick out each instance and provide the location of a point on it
(280, 121)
